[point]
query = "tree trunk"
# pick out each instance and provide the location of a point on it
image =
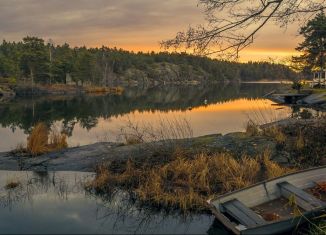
(32, 77)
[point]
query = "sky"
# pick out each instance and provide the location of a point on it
(137, 25)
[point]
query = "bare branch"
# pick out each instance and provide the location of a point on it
(233, 24)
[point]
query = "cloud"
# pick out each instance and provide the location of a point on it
(131, 24)
(83, 18)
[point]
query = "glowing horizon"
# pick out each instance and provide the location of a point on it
(134, 25)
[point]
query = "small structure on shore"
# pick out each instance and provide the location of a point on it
(319, 78)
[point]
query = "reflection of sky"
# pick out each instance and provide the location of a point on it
(9, 139)
(45, 212)
(222, 118)
(226, 117)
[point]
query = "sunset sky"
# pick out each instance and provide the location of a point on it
(137, 25)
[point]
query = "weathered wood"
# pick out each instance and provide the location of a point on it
(304, 200)
(258, 220)
(267, 191)
(242, 213)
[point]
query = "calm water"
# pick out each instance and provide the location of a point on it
(56, 203)
(100, 118)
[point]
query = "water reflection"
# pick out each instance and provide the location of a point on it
(57, 203)
(90, 119)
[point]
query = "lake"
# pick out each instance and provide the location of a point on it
(56, 203)
(207, 109)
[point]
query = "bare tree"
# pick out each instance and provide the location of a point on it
(233, 24)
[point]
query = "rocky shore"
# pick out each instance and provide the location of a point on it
(86, 158)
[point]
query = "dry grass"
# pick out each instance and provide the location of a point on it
(235, 174)
(272, 169)
(252, 128)
(185, 183)
(95, 89)
(300, 142)
(100, 89)
(166, 130)
(276, 133)
(57, 140)
(43, 140)
(37, 141)
(305, 142)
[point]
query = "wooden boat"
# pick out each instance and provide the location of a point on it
(288, 199)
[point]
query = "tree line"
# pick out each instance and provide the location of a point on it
(34, 60)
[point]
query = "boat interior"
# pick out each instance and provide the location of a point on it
(292, 202)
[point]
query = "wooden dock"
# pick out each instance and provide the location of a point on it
(291, 98)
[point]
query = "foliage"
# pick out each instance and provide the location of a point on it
(314, 45)
(33, 60)
(297, 85)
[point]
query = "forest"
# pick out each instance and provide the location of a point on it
(33, 60)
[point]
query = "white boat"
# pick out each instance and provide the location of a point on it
(245, 211)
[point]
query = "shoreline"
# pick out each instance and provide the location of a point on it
(88, 157)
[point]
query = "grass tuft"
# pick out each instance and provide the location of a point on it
(43, 140)
(273, 170)
(37, 141)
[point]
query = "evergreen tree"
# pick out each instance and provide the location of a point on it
(314, 45)
(34, 59)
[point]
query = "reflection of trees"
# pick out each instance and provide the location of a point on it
(87, 109)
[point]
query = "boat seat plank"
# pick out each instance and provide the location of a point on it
(243, 214)
(304, 200)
